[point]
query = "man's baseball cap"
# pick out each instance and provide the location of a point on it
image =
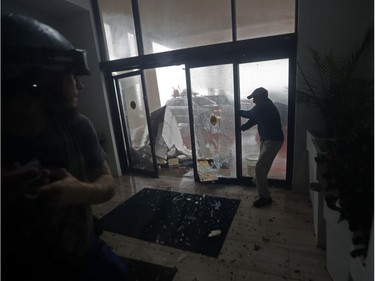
(259, 92)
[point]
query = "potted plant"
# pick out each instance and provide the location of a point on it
(343, 91)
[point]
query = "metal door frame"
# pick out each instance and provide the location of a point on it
(241, 179)
(235, 53)
(272, 47)
(122, 133)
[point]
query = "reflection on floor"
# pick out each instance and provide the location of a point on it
(274, 243)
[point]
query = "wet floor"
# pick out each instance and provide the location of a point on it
(274, 243)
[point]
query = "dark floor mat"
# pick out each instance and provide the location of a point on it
(191, 222)
(144, 271)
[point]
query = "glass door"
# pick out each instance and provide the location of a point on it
(167, 99)
(135, 121)
(212, 99)
(214, 102)
(204, 112)
(272, 75)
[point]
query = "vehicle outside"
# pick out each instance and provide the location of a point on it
(202, 106)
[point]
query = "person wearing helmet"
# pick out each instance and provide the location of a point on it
(267, 117)
(53, 167)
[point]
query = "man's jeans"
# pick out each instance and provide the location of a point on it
(268, 152)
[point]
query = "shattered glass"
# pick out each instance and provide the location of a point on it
(214, 129)
(191, 222)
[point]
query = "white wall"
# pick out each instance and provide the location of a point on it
(325, 25)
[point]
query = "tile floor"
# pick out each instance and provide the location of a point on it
(274, 243)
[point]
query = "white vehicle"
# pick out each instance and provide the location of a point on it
(202, 108)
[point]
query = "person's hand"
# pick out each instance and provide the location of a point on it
(241, 112)
(14, 177)
(243, 127)
(23, 180)
(63, 189)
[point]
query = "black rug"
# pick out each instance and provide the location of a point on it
(144, 271)
(191, 222)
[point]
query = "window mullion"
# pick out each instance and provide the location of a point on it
(138, 29)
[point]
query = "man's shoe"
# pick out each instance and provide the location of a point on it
(262, 201)
(254, 181)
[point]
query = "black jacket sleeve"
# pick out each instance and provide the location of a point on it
(250, 123)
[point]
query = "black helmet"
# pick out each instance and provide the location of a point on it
(28, 44)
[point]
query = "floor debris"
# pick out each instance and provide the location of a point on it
(213, 233)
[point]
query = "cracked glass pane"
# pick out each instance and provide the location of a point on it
(213, 113)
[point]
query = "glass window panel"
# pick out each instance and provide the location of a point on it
(166, 87)
(213, 112)
(171, 25)
(118, 26)
(272, 75)
(136, 120)
(261, 18)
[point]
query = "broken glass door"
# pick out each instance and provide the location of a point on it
(135, 121)
(167, 99)
(213, 115)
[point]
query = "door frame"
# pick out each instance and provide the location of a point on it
(237, 52)
(241, 179)
(121, 128)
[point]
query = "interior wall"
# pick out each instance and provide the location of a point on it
(333, 25)
(75, 21)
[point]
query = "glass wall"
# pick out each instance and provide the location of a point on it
(262, 18)
(171, 25)
(119, 31)
(166, 26)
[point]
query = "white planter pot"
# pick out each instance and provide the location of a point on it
(338, 246)
(315, 145)
(317, 201)
(362, 269)
(332, 235)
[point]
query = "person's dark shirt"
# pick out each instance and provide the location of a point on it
(267, 117)
(45, 238)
